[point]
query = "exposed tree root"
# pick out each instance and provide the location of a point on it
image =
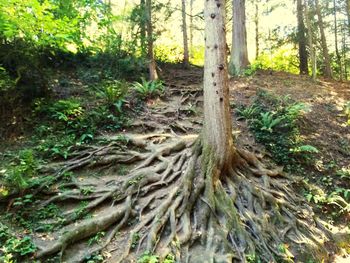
(175, 200)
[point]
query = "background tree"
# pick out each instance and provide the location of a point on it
(303, 60)
(239, 54)
(336, 44)
(152, 67)
(310, 40)
(327, 70)
(184, 33)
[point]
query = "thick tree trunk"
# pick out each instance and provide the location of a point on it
(327, 60)
(257, 35)
(310, 41)
(152, 67)
(303, 64)
(239, 55)
(339, 60)
(217, 117)
(143, 29)
(186, 61)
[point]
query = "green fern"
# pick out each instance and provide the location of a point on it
(148, 89)
(268, 121)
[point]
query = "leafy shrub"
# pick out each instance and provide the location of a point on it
(274, 122)
(148, 89)
(114, 93)
(20, 173)
(13, 247)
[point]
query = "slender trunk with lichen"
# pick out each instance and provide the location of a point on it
(185, 61)
(303, 64)
(348, 14)
(143, 29)
(339, 60)
(152, 67)
(191, 28)
(239, 54)
(310, 41)
(327, 59)
(217, 119)
(257, 34)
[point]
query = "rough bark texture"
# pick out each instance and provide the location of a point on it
(327, 60)
(239, 54)
(339, 60)
(152, 67)
(186, 61)
(303, 64)
(310, 41)
(217, 123)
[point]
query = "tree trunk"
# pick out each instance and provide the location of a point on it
(348, 14)
(310, 41)
(184, 34)
(153, 75)
(191, 28)
(256, 21)
(336, 41)
(327, 60)
(217, 117)
(239, 55)
(143, 29)
(303, 64)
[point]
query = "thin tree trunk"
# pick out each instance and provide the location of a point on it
(184, 34)
(348, 14)
(257, 35)
(143, 29)
(191, 28)
(303, 64)
(327, 60)
(336, 41)
(239, 55)
(310, 40)
(153, 75)
(217, 117)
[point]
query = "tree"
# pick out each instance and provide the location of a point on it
(303, 64)
(143, 28)
(184, 34)
(327, 61)
(337, 52)
(348, 13)
(239, 54)
(257, 34)
(191, 27)
(200, 198)
(152, 67)
(310, 41)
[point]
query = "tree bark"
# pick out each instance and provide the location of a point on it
(217, 117)
(310, 41)
(348, 14)
(336, 41)
(191, 28)
(303, 64)
(327, 60)
(152, 67)
(239, 55)
(186, 61)
(143, 29)
(257, 35)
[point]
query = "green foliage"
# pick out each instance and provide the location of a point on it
(114, 93)
(347, 112)
(148, 89)
(96, 238)
(169, 53)
(268, 121)
(12, 247)
(147, 257)
(67, 111)
(20, 173)
(274, 122)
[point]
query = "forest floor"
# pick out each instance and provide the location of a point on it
(326, 172)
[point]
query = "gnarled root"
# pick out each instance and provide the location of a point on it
(175, 200)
